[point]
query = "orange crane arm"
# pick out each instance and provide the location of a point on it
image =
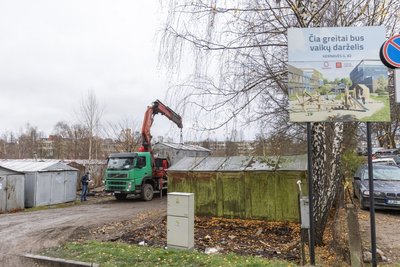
(156, 108)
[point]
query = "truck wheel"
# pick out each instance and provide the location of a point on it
(119, 196)
(147, 192)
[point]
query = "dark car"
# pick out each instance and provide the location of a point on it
(387, 152)
(386, 186)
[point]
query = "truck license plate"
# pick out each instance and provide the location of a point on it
(117, 192)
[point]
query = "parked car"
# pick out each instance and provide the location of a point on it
(376, 149)
(386, 186)
(396, 158)
(387, 152)
(385, 161)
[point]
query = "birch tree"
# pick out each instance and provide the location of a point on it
(239, 51)
(90, 114)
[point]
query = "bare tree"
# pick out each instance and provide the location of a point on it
(125, 134)
(80, 141)
(90, 114)
(247, 82)
(4, 146)
(28, 141)
(61, 139)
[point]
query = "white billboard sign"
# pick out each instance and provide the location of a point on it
(335, 74)
(338, 43)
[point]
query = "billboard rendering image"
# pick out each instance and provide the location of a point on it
(335, 74)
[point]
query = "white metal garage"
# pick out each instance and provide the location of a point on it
(46, 182)
(11, 190)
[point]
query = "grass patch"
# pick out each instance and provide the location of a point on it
(382, 114)
(119, 254)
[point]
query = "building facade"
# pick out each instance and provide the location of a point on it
(368, 72)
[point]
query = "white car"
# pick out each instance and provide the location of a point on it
(385, 161)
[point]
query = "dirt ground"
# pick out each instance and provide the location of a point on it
(135, 221)
(387, 233)
(30, 232)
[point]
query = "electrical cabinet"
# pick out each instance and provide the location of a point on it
(180, 220)
(305, 213)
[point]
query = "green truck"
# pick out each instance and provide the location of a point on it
(132, 173)
(140, 173)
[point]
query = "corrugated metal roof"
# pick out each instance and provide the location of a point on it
(4, 170)
(263, 164)
(187, 163)
(210, 164)
(242, 163)
(292, 163)
(178, 146)
(35, 166)
(86, 161)
(235, 163)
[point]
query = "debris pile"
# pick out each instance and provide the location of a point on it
(220, 235)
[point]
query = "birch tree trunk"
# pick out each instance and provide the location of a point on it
(326, 178)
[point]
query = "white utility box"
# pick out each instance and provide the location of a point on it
(305, 213)
(180, 220)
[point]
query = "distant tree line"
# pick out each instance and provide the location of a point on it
(72, 141)
(65, 142)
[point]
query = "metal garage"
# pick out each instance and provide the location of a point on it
(240, 186)
(11, 190)
(175, 152)
(46, 183)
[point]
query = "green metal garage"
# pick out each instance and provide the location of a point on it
(242, 187)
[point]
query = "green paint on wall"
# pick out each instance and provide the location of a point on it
(271, 195)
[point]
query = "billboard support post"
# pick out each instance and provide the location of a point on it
(310, 194)
(371, 196)
(397, 84)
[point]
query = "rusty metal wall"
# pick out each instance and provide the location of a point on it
(270, 195)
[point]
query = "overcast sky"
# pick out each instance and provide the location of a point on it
(53, 52)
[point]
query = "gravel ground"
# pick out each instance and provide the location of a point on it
(387, 233)
(32, 231)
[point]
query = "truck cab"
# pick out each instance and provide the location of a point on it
(131, 173)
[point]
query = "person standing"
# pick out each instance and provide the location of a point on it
(85, 184)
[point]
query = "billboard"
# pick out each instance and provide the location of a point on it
(335, 74)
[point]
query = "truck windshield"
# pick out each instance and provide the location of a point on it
(120, 163)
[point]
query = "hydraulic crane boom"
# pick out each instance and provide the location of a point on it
(140, 173)
(156, 108)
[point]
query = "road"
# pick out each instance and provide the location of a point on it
(29, 232)
(387, 232)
